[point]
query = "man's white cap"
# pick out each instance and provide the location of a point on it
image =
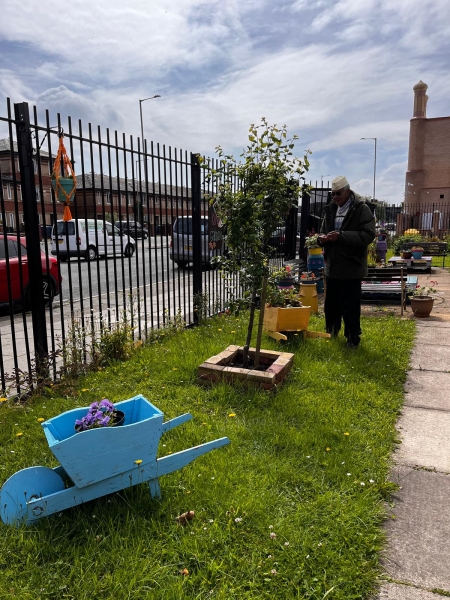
(338, 183)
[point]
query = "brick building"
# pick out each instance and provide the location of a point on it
(427, 185)
(101, 196)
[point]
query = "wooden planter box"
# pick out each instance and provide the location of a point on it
(217, 368)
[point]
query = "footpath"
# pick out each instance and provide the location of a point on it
(417, 556)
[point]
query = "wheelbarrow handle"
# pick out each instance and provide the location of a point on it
(168, 425)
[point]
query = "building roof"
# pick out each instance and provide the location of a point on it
(5, 146)
(98, 182)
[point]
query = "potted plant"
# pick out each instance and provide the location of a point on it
(417, 252)
(253, 197)
(100, 414)
(312, 245)
(422, 300)
(282, 277)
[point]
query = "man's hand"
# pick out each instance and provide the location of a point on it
(322, 239)
(333, 236)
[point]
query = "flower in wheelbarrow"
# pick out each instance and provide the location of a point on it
(100, 414)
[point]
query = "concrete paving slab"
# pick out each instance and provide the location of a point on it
(441, 321)
(425, 439)
(418, 536)
(428, 389)
(428, 357)
(432, 335)
(395, 591)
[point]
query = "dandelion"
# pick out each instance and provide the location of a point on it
(273, 535)
(346, 433)
(233, 331)
(238, 520)
(40, 420)
(19, 434)
(2, 399)
(219, 330)
(327, 449)
(175, 369)
(137, 462)
(232, 415)
(85, 390)
(204, 423)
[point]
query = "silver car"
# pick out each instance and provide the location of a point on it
(181, 249)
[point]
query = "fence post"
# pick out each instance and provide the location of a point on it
(197, 286)
(30, 212)
(304, 222)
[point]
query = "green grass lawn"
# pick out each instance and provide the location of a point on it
(292, 508)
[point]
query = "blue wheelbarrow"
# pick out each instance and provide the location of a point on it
(96, 462)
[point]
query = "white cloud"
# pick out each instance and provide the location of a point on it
(333, 70)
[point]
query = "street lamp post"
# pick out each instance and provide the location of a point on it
(374, 163)
(142, 142)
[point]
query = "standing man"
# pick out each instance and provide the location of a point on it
(348, 228)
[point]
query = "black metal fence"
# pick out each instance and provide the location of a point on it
(138, 247)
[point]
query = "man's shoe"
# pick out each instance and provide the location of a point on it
(352, 345)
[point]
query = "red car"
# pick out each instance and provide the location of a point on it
(52, 276)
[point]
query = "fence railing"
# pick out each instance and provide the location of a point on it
(59, 283)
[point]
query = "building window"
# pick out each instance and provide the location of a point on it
(129, 202)
(18, 165)
(38, 194)
(99, 201)
(441, 196)
(35, 165)
(11, 220)
(108, 198)
(49, 167)
(8, 191)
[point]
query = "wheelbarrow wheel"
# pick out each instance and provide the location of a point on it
(23, 486)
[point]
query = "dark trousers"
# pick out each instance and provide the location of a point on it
(343, 300)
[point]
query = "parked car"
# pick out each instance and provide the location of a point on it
(46, 232)
(181, 242)
(90, 238)
(132, 228)
(277, 241)
(17, 267)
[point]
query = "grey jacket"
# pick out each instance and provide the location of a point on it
(347, 258)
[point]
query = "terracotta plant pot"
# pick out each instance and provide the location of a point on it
(406, 254)
(422, 306)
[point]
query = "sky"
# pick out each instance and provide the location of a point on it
(333, 71)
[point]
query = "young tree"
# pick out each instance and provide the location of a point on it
(252, 198)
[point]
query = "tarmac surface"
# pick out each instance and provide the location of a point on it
(417, 556)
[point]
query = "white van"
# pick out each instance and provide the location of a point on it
(89, 238)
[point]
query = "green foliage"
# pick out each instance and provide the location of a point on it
(253, 197)
(399, 241)
(294, 468)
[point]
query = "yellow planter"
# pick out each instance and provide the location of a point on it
(308, 296)
(313, 251)
(286, 319)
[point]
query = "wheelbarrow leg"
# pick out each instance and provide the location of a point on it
(173, 462)
(155, 490)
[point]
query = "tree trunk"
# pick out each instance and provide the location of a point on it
(260, 322)
(250, 329)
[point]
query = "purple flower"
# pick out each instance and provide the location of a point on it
(105, 421)
(94, 405)
(106, 405)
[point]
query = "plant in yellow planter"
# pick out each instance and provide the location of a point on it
(312, 245)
